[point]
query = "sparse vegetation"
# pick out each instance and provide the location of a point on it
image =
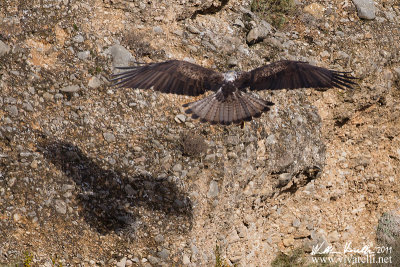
(298, 258)
(273, 11)
(56, 262)
(136, 43)
(28, 258)
(219, 260)
(193, 145)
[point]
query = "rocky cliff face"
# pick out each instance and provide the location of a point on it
(95, 175)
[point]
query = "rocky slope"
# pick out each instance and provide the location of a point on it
(95, 175)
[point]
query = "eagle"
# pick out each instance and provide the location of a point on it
(233, 100)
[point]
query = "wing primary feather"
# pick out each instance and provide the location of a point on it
(140, 80)
(158, 81)
(124, 75)
(337, 85)
(342, 84)
(180, 77)
(128, 68)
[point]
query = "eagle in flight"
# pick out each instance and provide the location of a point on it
(231, 101)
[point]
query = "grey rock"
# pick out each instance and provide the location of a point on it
(296, 223)
(365, 9)
(210, 157)
(390, 15)
(396, 70)
(31, 90)
(121, 56)
(25, 154)
(70, 89)
(232, 62)
(58, 96)
(10, 100)
(274, 42)
(208, 45)
(60, 206)
(213, 190)
(159, 238)
(27, 106)
(163, 254)
(193, 48)
(17, 217)
(233, 140)
(94, 82)
(343, 55)
(333, 236)
(185, 259)
(11, 181)
(67, 187)
(388, 230)
(258, 33)
(109, 137)
(129, 190)
(153, 260)
(129, 263)
(4, 49)
(180, 118)
(284, 179)
(232, 155)
(193, 29)
(83, 55)
(137, 149)
(78, 38)
(12, 110)
(122, 262)
(48, 96)
(317, 239)
(158, 29)
(239, 23)
(177, 168)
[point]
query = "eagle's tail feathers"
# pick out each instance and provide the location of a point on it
(234, 108)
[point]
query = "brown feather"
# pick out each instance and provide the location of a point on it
(229, 104)
(292, 75)
(234, 108)
(174, 76)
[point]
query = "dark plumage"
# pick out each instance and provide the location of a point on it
(230, 103)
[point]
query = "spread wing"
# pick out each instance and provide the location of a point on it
(174, 76)
(291, 75)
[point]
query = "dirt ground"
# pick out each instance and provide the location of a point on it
(93, 175)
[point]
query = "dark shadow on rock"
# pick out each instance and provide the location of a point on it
(110, 202)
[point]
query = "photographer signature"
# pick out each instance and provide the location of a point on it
(347, 249)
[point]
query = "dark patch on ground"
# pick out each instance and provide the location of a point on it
(102, 191)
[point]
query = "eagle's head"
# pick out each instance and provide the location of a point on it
(230, 76)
